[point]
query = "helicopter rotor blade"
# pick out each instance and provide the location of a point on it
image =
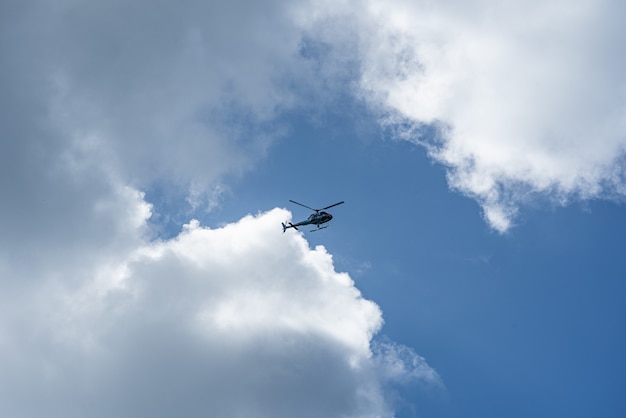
(336, 204)
(293, 201)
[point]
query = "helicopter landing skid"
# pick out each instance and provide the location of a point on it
(318, 228)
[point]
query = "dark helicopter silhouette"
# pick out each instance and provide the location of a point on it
(318, 218)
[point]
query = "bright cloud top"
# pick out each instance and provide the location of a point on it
(530, 98)
(236, 321)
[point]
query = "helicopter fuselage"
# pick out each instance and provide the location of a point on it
(319, 218)
(316, 219)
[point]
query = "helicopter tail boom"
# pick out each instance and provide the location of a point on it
(290, 226)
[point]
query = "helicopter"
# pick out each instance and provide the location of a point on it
(318, 218)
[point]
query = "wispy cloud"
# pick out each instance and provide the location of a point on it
(530, 99)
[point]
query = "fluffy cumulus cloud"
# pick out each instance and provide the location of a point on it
(529, 99)
(237, 321)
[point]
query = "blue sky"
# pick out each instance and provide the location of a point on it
(148, 155)
(527, 323)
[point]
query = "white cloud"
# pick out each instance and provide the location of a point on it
(237, 321)
(531, 97)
